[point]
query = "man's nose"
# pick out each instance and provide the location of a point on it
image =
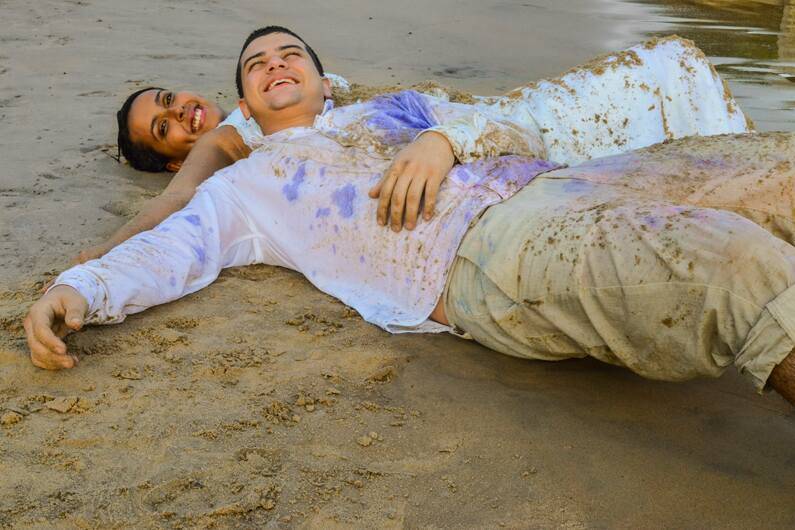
(276, 62)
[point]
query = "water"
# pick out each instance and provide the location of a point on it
(751, 43)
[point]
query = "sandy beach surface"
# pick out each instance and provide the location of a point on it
(260, 402)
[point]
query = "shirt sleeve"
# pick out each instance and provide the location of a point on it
(248, 130)
(475, 132)
(183, 254)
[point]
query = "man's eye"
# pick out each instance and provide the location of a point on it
(292, 53)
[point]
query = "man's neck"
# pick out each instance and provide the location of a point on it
(286, 122)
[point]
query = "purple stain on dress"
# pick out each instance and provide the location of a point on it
(193, 219)
(291, 190)
(322, 212)
(344, 198)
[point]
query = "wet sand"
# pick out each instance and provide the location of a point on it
(261, 402)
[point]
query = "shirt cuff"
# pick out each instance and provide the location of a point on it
(90, 288)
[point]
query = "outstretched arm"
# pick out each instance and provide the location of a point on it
(180, 256)
(215, 150)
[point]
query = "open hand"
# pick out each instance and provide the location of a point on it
(417, 170)
(58, 313)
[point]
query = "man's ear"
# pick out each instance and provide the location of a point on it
(174, 165)
(241, 103)
(326, 88)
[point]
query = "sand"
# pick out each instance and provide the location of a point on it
(261, 402)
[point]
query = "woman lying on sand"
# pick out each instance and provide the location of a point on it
(658, 90)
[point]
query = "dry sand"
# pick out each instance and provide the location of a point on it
(260, 402)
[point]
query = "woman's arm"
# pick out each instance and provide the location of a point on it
(215, 150)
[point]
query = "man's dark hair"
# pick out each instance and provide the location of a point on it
(138, 155)
(261, 32)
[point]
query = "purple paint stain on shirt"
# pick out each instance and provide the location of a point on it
(193, 219)
(361, 259)
(322, 212)
(400, 117)
(575, 186)
(172, 282)
(336, 229)
(503, 174)
(200, 254)
(291, 190)
(322, 172)
(652, 222)
(344, 198)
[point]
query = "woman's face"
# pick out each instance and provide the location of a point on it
(170, 122)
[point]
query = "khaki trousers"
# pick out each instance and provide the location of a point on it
(675, 261)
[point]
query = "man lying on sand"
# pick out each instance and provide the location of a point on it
(674, 261)
(659, 90)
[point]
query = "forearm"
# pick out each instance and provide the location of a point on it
(153, 212)
(181, 255)
(216, 150)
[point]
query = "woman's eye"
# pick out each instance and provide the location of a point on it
(163, 128)
(169, 98)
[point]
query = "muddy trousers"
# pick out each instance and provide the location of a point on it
(674, 262)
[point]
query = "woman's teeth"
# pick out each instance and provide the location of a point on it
(197, 118)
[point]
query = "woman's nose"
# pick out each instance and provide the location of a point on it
(177, 112)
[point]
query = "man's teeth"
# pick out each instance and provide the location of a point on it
(280, 81)
(197, 118)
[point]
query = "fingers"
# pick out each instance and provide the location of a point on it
(46, 350)
(399, 194)
(376, 190)
(385, 192)
(413, 200)
(50, 319)
(431, 191)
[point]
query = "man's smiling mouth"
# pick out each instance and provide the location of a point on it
(279, 82)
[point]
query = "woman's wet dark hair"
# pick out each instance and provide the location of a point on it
(261, 32)
(138, 155)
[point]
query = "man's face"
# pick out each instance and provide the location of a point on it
(281, 85)
(170, 122)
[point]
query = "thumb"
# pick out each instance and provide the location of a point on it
(75, 315)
